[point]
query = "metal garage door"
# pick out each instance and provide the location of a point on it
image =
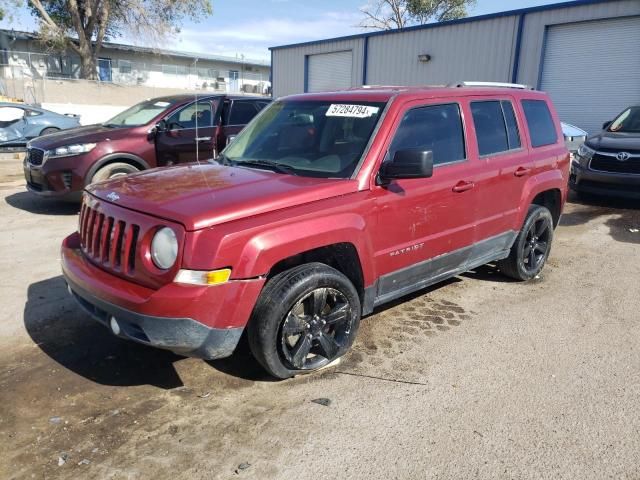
(592, 70)
(329, 71)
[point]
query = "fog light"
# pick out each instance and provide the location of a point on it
(115, 328)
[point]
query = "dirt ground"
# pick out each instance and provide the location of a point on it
(478, 377)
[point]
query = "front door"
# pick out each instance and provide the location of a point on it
(104, 69)
(189, 135)
(234, 77)
(426, 226)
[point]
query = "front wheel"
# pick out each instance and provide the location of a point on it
(49, 130)
(113, 170)
(532, 246)
(305, 318)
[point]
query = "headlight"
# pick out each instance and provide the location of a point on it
(585, 151)
(69, 150)
(164, 248)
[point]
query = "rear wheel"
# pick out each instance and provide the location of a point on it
(49, 130)
(531, 249)
(305, 318)
(113, 170)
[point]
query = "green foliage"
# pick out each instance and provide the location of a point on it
(440, 10)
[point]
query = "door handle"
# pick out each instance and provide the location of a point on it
(522, 171)
(202, 139)
(463, 186)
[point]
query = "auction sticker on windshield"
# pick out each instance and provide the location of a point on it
(353, 111)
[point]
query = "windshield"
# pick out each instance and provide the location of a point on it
(627, 122)
(140, 114)
(308, 138)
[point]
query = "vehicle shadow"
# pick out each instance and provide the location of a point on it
(624, 227)
(41, 206)
(66, 334)
(488, 273)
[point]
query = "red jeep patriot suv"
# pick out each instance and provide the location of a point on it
(326, 206)
(154, 133)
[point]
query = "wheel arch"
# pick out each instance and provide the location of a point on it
(341, 256)
(549, 189)
(129, 158)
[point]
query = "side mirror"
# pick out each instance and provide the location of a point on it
(161, 126)
(606, 125)
(408, 164)
(231, 138)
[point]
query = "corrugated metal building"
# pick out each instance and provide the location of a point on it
(585, 53)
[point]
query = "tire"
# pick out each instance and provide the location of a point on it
(113, 170)
(304, 319)
(49, 130)
(532, 246)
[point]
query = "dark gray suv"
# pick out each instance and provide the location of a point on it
(609, 162)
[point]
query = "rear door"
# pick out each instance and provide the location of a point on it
(189, 136)
(426, 226)
(501, 149)
(235, 116)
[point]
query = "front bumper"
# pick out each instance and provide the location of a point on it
(603, 183)
(203, 322)
(65, 182)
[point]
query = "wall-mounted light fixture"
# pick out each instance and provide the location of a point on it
(424, 58)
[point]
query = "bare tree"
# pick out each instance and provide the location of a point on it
(83, 25)
(390, 14)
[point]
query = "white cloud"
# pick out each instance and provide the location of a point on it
(253, 38)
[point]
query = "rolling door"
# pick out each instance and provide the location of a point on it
(592, 70)
(329, 71)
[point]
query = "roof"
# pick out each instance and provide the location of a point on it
(385, 93)
(508, 13)
(21, 35)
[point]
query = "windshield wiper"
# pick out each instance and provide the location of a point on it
(111, 125)
(275, 166)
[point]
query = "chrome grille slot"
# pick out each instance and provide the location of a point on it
(108, 241)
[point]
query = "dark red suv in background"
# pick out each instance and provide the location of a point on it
(155, 133)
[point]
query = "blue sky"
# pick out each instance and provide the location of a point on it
(249, 27)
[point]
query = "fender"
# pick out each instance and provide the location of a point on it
(136, 160)
(547, 180)
(269, 247)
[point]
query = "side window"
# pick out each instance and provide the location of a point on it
(541, 127)
(31, 113)
(437, 128)
(242, 113)
(261, 104)
(512, 124)
(490, 128)
(199, 114)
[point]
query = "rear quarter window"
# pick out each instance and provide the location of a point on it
(542, 130)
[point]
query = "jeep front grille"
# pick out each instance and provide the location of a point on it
(108, 241)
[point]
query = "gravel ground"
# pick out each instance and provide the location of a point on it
(478, 377)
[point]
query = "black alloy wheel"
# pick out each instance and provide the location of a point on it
(316, 329)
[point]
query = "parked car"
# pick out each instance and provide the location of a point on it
(609, 162)
(154, 133)
(326, 206)
(19, 123)
(574, 137)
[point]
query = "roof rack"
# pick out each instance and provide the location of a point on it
(490, 84)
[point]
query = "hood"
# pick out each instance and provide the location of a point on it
(200, 196)
(88, 134)
(615, 141)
